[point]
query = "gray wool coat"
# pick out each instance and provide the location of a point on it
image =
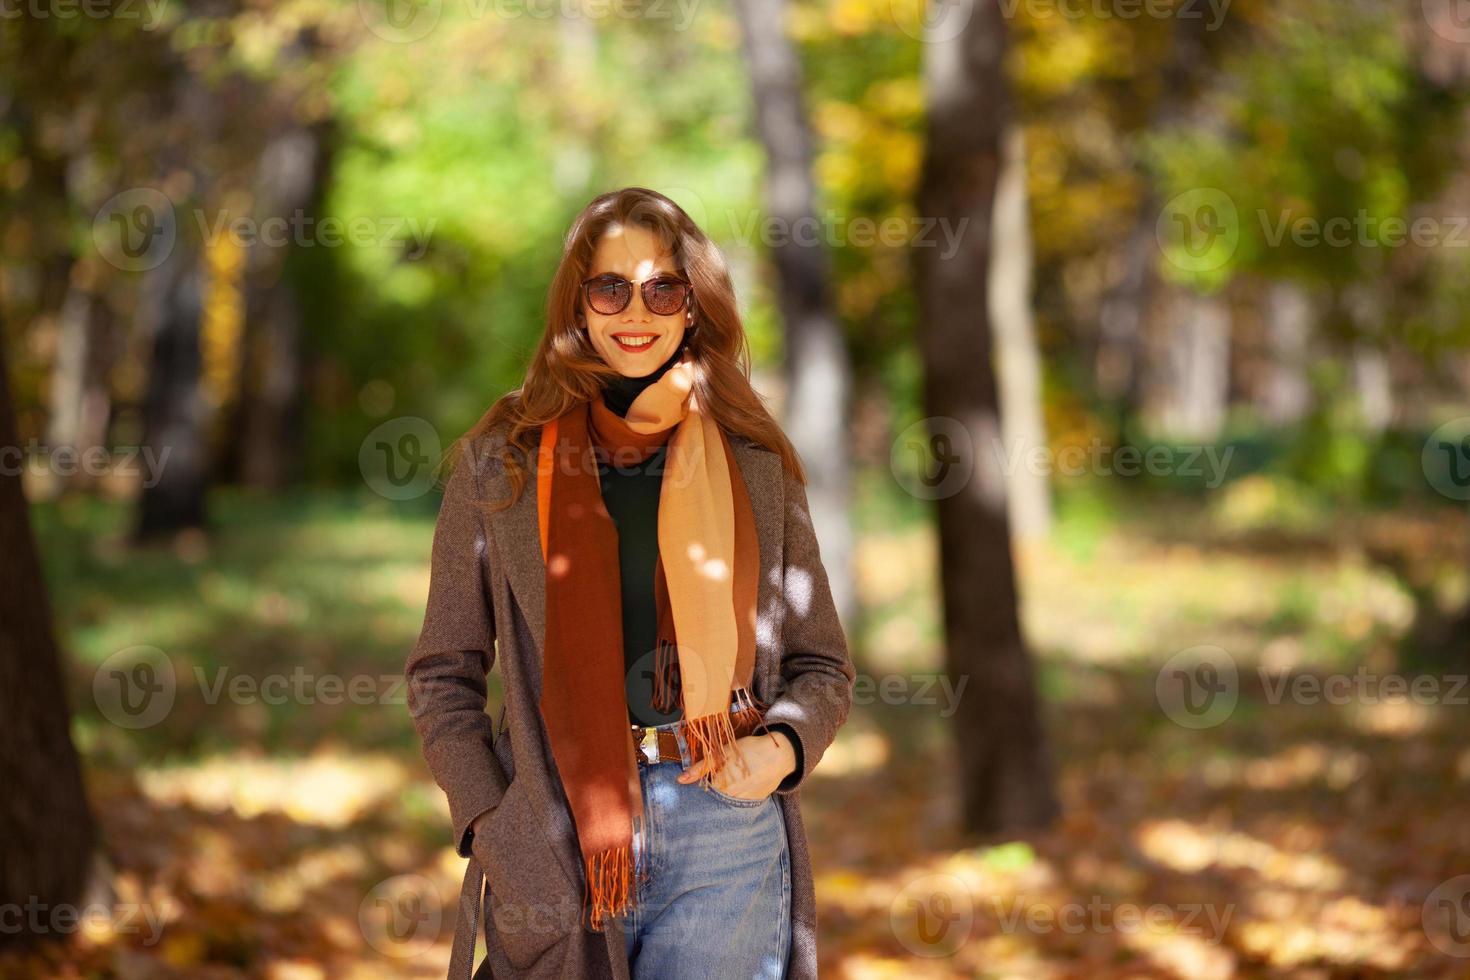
(486, 606)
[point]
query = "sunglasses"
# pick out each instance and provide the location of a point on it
(663, 295)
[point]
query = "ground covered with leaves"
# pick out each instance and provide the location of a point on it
(276, 820)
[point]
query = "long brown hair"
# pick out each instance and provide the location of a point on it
(567, 369)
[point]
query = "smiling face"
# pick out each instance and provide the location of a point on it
(634, 342)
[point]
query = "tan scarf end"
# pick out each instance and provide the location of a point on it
(610, 883)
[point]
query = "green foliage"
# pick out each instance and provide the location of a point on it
(1324, 118)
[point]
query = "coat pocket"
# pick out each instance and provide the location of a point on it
(531, 904)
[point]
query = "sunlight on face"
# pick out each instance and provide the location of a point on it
(633, 252)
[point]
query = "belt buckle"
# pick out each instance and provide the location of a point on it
(647, 749)
(686, 756)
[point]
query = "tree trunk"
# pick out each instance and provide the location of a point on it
(1286, 395)
(1122, 317)
(291, 180)
(1006, 780)
(1017, 354)
(1194, 388)
(1373, 383)
(69, 370)
(175, 414)
(80, 401)
(818, 370)
(46, 830)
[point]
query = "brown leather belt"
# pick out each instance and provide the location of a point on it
(667, 742)
(663, 746)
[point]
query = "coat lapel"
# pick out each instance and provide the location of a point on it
(518, 534)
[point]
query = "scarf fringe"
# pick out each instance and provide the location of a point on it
(712, 737)
(749, 715)
(667, 687)
(609, 883)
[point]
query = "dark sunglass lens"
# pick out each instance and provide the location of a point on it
(610, 296)
(666, 296)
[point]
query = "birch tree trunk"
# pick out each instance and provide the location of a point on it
(818, 369)
(1017, 354)
(1286, 396)
(1195, 386)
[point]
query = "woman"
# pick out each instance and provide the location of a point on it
(628, 535)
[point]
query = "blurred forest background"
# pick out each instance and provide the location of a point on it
(262, 262)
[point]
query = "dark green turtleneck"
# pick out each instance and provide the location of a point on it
(631, 494)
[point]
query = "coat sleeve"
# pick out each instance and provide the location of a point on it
(447, 668)
(817, 672)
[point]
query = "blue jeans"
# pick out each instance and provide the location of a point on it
(717, 905)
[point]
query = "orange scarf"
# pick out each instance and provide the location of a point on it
(705, 589)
